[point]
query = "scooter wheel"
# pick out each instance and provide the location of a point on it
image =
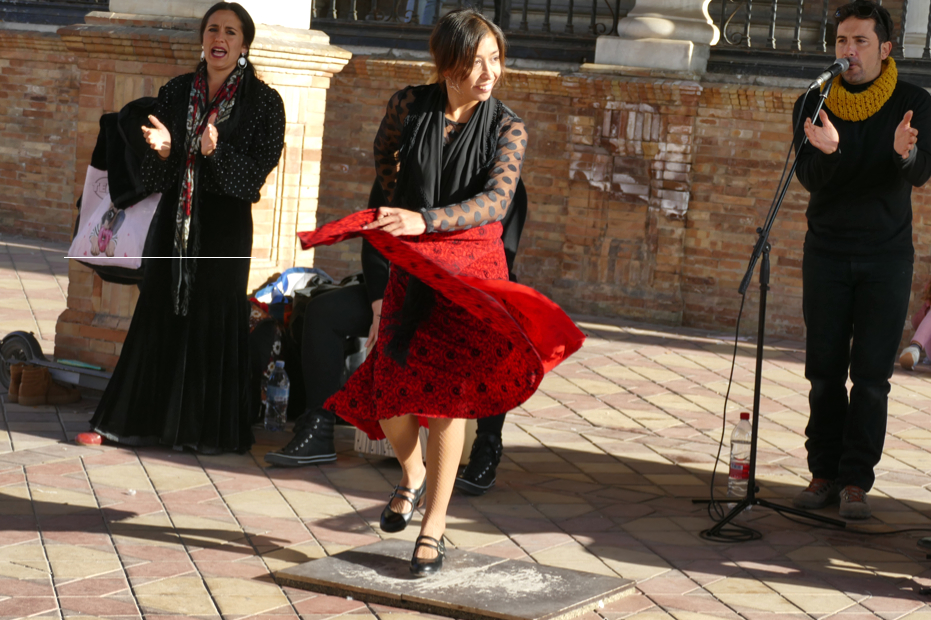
(17, 347)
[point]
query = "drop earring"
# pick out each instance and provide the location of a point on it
(202, 55)
(242, 60)
(453, 85)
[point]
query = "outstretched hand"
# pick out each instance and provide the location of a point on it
(823, 138)
(208, 141)
(398, 222)
(158, 137)
(906, 136)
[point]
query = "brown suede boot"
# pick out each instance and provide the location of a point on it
(33, 387)
(16, 377)
(59, 394)
(37, 388)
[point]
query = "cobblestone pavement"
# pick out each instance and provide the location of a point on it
(599, 471)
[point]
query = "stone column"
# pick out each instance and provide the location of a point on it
(125, 55)
(666, 35)
(916, 28)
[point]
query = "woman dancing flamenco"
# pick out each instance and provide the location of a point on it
(456, 339)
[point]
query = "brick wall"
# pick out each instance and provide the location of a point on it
(39, 85)
(741, 139)
(645, 194)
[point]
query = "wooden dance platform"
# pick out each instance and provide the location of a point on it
(471, 586)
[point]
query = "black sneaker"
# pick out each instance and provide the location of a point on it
(312, 443)
(479, 475)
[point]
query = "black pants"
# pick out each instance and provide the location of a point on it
(329, 319)
(854, 315)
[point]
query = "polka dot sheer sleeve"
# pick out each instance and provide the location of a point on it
(493, 203)
(388, 139)
(241, 172)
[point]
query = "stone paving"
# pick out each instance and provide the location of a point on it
(599, 471)
(33, 287)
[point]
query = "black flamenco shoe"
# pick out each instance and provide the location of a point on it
(424, 568)
(392, 521)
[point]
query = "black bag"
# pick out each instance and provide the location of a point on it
(302, 296)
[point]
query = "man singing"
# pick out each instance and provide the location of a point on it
(872, 145)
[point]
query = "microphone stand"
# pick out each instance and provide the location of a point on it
(761, 250)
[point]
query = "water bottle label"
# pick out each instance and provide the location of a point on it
(740, 471)
(275, 392)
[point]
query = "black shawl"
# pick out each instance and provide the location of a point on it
(432, 175)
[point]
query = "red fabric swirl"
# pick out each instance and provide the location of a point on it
(485, 347)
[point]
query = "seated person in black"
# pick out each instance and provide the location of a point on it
(350, 311)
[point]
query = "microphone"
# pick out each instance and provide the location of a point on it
(840, 65)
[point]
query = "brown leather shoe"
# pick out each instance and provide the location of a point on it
(820, 493)
(33, 386)
(853, 503)
(16, 377)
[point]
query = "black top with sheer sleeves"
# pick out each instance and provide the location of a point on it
(492, 204)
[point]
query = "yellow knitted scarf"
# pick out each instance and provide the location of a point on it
(860, 106)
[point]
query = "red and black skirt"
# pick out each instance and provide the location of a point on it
(484, 347)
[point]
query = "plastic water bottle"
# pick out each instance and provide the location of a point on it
(740, 458)
(276, 404)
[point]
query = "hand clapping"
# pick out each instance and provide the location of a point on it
(823, 138)
(208, 141)
(158, 137)
(398, 222)
(906, 136)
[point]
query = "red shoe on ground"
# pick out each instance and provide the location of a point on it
(89, 439)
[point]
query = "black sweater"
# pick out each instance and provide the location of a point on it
(861, 205)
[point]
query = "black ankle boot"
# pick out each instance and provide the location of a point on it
(479, 475)
(312, 443)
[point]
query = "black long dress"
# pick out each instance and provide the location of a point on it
(182, 379)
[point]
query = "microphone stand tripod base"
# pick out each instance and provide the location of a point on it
(715, 533)
(761, 252)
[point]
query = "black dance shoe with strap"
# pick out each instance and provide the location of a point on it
(421, 567)
(392, 521)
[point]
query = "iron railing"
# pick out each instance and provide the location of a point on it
(49, 12)
(797, 26)
(549, 30)
(543, 16)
